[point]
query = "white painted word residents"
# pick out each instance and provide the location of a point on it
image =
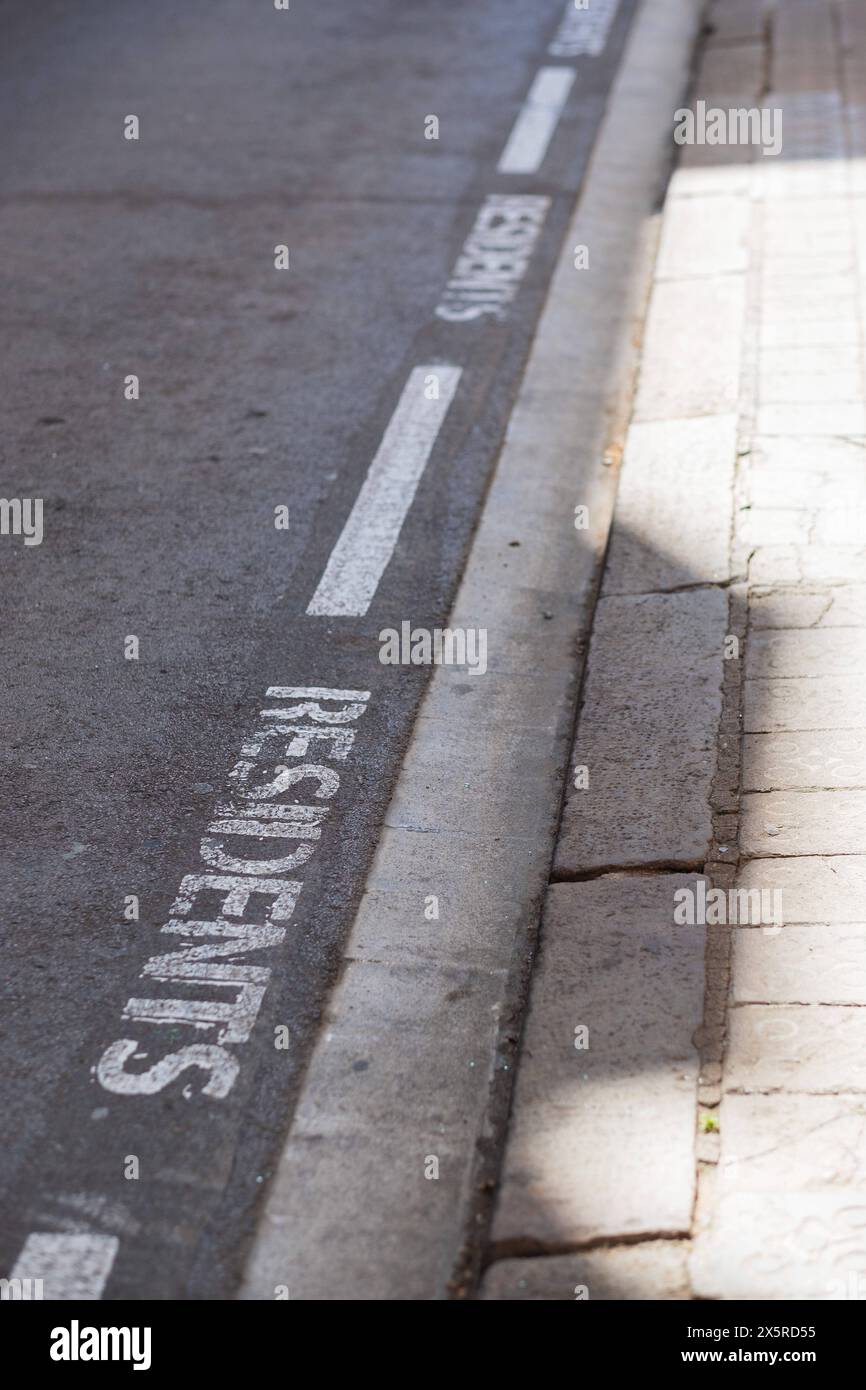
(743, 907)
(584, 29)
(232, 904)
(422, 646)
(737, 126)
(22, 516)
(494, 257)
(76, 1343)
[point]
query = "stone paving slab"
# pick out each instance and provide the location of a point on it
(813, 888)
(781, 384)
(686, 371)
(800, 965)
(704, 236)
(649, 742)
(793, 564)
(653, 1270)
(731, 74)
(667, 464)
(828, 330)
(788, 1214)
(820, 1048)
(785, 1142)
(839, 418)
(803, 822)
(815, 652)
(802, 704)
(843, 606)
(783, 1245)
(737, 20)
(601, 1142)
(821, 758)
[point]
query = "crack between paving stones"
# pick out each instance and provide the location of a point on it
(678, 589)
(658, 866)
(528, 1248)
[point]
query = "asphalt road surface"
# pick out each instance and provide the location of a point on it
(145, 1098)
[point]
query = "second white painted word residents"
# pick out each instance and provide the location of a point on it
(422, 646)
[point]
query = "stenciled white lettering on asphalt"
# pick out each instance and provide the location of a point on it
(583, 32)
(494, 257)
(233, 904)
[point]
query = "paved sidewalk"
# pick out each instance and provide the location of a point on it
(690, 1106)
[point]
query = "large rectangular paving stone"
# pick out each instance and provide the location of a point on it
(686, 368)
(803, 822)
(814, 758)
(804, 704)
(704, 236)
(789, 1216)
(814, 888)
(797, 1047)
(844, 606)
(677, 480)
(806, 463)
(839, 418)
(732, 21)
(783, 1246)
(818, 652)
(647, 732)
(654, 1269)
(790, 1142)
(840, 358)
(787, 564)
(601, 1142)
(800, 965)
(776, 387)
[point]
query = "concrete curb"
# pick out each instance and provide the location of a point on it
(384, 1184)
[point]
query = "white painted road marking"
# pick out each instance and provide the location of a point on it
(367, 542)
(70, 1266)
(494, 257)
(254, 812)
(527, 144)
(584, 31)
(77, 1266)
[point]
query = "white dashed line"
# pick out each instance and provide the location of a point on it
(69, 1266)
(367, 542)
(536, 122)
